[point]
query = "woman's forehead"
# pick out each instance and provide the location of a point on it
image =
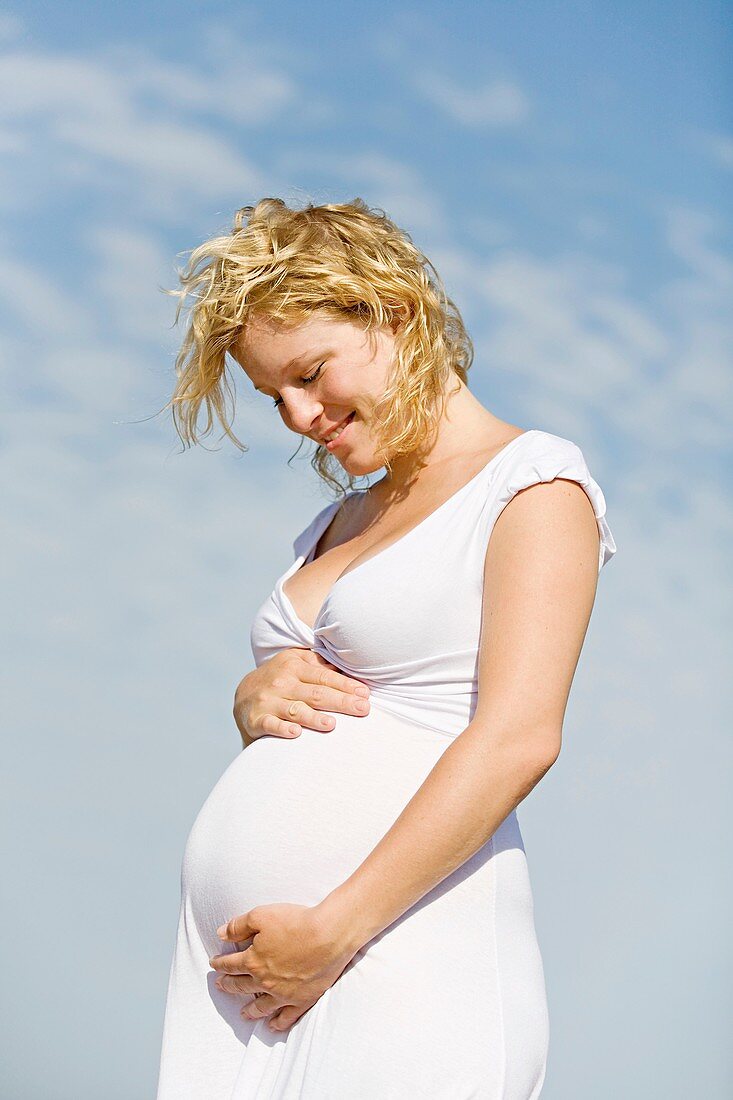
(263, 337)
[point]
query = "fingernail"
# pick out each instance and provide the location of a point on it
(363, 690)
(221, 932)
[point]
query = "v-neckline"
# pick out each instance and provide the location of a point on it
(329, 516)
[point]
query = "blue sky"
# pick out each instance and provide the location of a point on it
(567, 169)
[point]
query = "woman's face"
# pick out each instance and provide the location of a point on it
(321, 373)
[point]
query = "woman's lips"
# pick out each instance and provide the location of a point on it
(335, 442)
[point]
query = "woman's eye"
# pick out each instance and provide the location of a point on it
(305, 381)
(313, 377)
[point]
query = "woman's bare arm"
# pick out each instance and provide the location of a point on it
(539, 587)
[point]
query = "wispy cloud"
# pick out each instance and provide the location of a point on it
(125, 115)
(501, 103)
(401, 189)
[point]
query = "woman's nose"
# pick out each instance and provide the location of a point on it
(303, 412)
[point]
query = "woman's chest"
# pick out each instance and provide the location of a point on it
(353, 538)
(409, 603)
(406, 606)
(389, 546)
(407, 621)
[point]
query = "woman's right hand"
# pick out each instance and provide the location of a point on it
(289, 690)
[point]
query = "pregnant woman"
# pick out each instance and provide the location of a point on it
(356, 915)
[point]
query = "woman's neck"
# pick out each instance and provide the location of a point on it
(466, 430)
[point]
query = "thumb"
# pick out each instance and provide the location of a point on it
(313, 658)
(286, 1017)
(239, 928)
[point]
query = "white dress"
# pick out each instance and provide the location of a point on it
(448, 1002)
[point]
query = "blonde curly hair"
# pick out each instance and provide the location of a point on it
(346, 261)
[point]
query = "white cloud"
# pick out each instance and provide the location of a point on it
(39, 305)
(655, 372)
(96, 123)
(382, 181)
(501, 103)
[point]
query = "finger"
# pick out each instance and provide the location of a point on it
(298, 712)
(298, 695)
(308, 699)
(286, 1017)
(238, 983)
(279, 727)
(322, 697)
(234, 962)
(241, 927)
(289, 713)
(318, 671)
(260, 1006)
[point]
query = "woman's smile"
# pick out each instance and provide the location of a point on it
(334, 438)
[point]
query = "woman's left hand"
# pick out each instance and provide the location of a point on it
(295, 956)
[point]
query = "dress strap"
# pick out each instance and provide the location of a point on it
(307, 540)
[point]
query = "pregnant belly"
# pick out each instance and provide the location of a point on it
(291, 819)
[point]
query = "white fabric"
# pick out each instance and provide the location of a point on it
(449, 1001)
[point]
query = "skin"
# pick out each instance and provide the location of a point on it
(538, 598)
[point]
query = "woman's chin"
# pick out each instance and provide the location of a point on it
(357, 466)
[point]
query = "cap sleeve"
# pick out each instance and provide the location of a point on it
(548, 458)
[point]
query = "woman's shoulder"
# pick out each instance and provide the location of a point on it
(537, 455)
(537, 443)
(541, 456)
